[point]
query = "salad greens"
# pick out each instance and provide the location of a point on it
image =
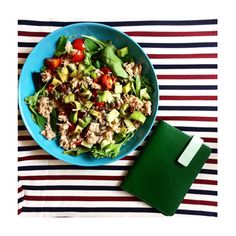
(91, 96)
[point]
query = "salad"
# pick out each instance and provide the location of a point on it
(90, 96)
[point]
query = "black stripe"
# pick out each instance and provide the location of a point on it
(123, 23)
(178, 45)
(214, 150)
(21, 127)
(209, 172)
(186, 66)
(21, 199)
(188, 108)
(26, 44)
(113, 209)
(197, 129)
(71, 167)
(102, 188)
(29, 148)
(188, 87)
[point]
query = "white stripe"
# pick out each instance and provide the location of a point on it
(192, 123)
(193, 92)
(164, 28)
(179, 61)
(186, 113)
(159, 50)
(187, 82)
(185, 71)
(213, 103)
(91, 204)
(147, 39)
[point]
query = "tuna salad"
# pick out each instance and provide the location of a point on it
(90, 97)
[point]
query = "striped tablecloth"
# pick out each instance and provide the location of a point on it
(184, 55)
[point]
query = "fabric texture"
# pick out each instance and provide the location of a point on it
(184, 55)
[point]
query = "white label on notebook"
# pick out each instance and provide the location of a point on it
(190, 151)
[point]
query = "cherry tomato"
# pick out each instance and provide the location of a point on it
(78, 44)
(78, 142)
(107, 81)
(105, 70)
(79, 56)
(53, 63)
(71, 127)
(100, 104)
(95, 92)
(50, 87)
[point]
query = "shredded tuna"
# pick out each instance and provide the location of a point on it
(48, 133)
(146, 109)
(44, 107)
(134, 102)
(46, 76)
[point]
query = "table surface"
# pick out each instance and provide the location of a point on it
(184, 55)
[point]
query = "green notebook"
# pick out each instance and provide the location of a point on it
(164, 171)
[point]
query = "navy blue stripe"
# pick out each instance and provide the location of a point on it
(178, 45)
(197, 129)
(149, 45)
(29, 148)
(209, 172)
(113, 209)
(123, 23)
(21, 199)
(102, 188)
(174, 66)
(188, 108)
(188, 87)
(186, 66)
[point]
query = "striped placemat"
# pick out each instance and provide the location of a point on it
(184, 55)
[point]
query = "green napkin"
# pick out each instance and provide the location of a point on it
(158, 177)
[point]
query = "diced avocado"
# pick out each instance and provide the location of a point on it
(69, 98)
(88, 104)
(129, 125)
(87, 145)
(118, 87)
(87, 94)
(63, 76)
(89, 70)
(112, 115)
(126, 88)
(84, 123)
(78, 129)
(124, 106)
(74, 74)
(139, 116)
(123, 130)
(116, 96)
(72, 66)
(105, 96)
(56, 82)
(93, 75)
(122, 52)
(104, 143)
(81, 67)
(73, 117)
(78, 105)
(109, 96)
(64, 70)
(144, 94)
(94, 113)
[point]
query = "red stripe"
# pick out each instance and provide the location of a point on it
(19, 211)
(163, 97)
(207, 76)
(32, 34)
(20, 189)
(187, 118)
(24, 137)
(70, 177)
(171, 34)
(22, 55)
(205, 181)
(199, 202)
(167, 56)
(212, 161)
(210, 140)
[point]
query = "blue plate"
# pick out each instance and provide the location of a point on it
(44, 49)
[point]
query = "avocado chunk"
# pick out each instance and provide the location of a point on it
(112, 115)
(88, 104)
(144, 94)
(56, 82)
(122, 52)
(129, 125)
(126, 88)
(72, 66)
(84, 123)
(104, 143)
(63, 73)
(73, 117)
(69, 98)
(78, 105)
(94, 113)
(78, 129)
(106, 96)
(87, 145)
(118, 87)
(138, 116)
(74, 74)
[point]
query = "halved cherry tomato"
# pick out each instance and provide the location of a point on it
(107, 81)
(79, 56)
(50, 87)
(105, 70)
(100, 104)
(78, 44)
(53, 63)
(78, 142)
